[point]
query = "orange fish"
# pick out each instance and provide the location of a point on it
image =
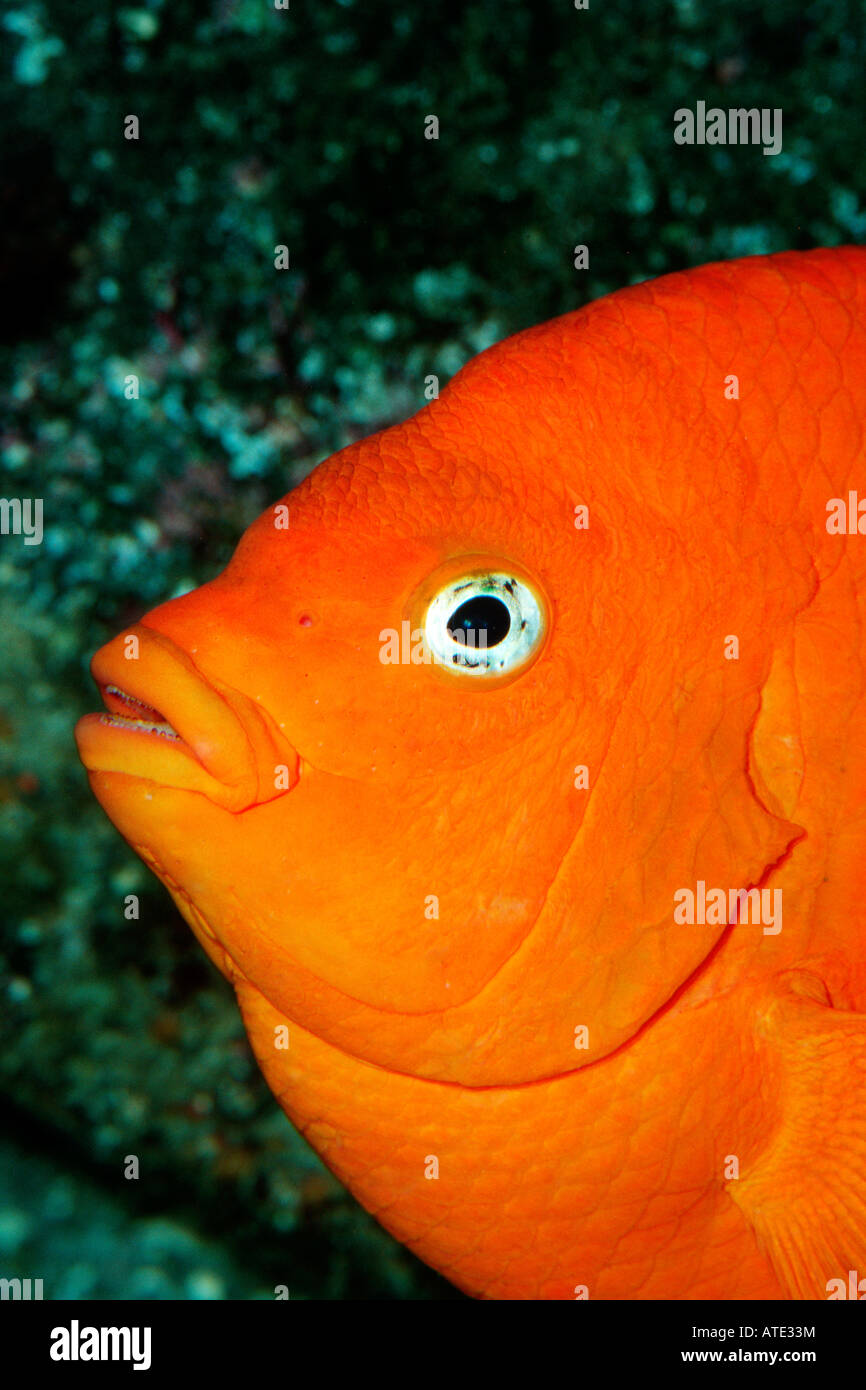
(514, 773)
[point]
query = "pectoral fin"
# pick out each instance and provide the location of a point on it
(805, 1194)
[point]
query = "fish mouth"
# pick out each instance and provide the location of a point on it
(165, 722)
(124, 711)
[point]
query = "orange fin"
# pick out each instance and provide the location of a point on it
(805, 1196)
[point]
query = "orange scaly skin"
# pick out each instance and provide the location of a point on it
(709, 1140)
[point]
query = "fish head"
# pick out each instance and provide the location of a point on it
(427, 761)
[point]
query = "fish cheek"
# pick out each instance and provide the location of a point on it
(405, 896)
(406, 901)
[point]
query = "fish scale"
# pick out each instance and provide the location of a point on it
(444, 886)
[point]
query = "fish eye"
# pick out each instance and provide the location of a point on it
(485, 624)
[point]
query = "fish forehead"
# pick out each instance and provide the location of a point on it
(450, 476)
(606, 399)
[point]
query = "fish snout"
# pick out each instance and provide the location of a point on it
(166, 722)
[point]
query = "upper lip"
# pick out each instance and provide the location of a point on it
(165, 722)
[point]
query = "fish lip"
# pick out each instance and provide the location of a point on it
(168, 723)
(136, 719)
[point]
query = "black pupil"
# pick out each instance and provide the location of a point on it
(480, 622)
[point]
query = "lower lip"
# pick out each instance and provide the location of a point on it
(147, 751)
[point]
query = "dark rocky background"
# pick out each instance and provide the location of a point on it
(302, 127)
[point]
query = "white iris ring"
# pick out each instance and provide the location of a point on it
(526, 628)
